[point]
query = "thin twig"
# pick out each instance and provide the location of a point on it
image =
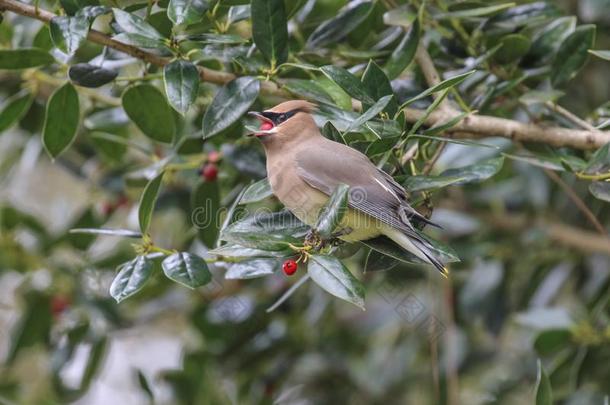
(580, 204)
(288, 293)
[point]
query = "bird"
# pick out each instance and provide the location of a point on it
(304, 168)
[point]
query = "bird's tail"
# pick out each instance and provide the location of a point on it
(413, 243)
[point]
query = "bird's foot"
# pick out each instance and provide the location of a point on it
(313, 239)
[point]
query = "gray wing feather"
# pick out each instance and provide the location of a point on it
(372, 191)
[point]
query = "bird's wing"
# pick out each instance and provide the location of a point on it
(372, 191)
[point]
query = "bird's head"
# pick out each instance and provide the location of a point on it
(286, 122)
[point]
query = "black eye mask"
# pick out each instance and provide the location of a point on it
(278, 118)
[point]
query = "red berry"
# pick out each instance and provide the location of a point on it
(290, 267)
(209, 172)
(123, 201)
(213, 156)
(59, 304)
(266, 126)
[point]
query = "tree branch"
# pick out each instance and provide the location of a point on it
(473, 126)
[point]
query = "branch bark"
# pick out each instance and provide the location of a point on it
(473, 126)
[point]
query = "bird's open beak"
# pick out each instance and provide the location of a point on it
(264, 122)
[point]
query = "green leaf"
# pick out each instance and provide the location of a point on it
(14, 108)
(330, 274)
(513, 47)
(462, 175)
(307, 89)
(269, 30)
(266, 231)
(402, 16)
(474, 12)
(207, 38)
(131, 278)
(229, 104)
(572, 54)
(86, 75)
(74, 6)
(348, 82)
(445, 84)
(552, 340)
(68, 33)
(442, 127)
(147, 108)
(205, 206)
(550, 37)
(331, 132)
(544, 393)
(24, 58)
(137, 28)
(257, 192)
(377, 84)
(109, 232)
(186, 11)
(238, 13)
(181, 80)
(147, 202)
(339, 27)
(600, 190)
(333, 212)
(600, 54)
(187, 269)
(404, 53)
(61, 120)
(371, 113)
(252, 269)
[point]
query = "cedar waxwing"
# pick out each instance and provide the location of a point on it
(304, 168)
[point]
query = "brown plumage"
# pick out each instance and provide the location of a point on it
(304, 168)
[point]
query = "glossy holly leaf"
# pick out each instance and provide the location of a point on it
(600, 54)
(148, 200)
(92, 11)
(333, 212)
(148, 109)
(339, 27)
(404, 53)
(329, 273)
(513, 47)
(600, 190)
(572, 54)
(266, 231)
(462, 175)
(186, 11)
(402, 16)
(377, 84)
(131, 278)
(445, 84)
(331, 132)
(257, 192)
(550, 37)
(187, 269)
(552, 340)
(86, 75)
(181, 79)
(229, 104)
(72, 7)
(233, 250)
(307, 89)
(544, 392)
(252, 269)
(24, 58)
(205, 206)
(348, 82)
(371, 113)
(224, 39)
(270, 30)
(136, 31)
(68, 33)
(14, 108)
(61, 120)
